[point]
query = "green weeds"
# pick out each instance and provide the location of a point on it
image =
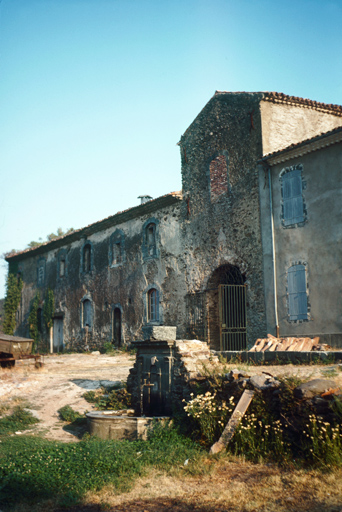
(68, 414)
(19, 420)
(117, 399)
(34, 469)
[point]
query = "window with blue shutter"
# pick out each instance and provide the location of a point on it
(296, 285)
(292, 192)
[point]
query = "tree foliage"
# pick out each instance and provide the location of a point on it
(50, 237)
(14, 286)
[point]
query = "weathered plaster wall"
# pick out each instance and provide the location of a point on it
(226, 230)
(109, 286)
(318, 242)
(285, 124)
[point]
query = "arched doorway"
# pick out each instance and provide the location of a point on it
(117, 327)
(226, 308)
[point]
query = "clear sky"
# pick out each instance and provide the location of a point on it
(95, 94)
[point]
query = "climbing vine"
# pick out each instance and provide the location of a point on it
(33, 319)
(49, 308)
(14, 286)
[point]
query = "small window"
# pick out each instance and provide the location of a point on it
(218, 177)
(62, 267)
(292, 194)
(87, 313)
(153, 305)
(117, 248)
(117, 253)
(41, 272)
(298, 300)
(87, 258)
(151, 239)
(150, 235)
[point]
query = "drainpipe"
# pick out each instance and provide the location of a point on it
(273, 255)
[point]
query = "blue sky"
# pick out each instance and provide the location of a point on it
(95, 94)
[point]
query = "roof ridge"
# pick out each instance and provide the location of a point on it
(71, 235)
(287, 98)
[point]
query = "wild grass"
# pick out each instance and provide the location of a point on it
(20, 419)
(34, 469)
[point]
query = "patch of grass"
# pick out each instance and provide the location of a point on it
(68, 414)
(34, 469)
(20, 419)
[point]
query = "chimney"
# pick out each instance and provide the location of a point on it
(144, 199)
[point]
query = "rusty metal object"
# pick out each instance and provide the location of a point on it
(14, 348)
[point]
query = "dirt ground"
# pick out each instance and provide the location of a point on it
(228, 484)
(63, 380)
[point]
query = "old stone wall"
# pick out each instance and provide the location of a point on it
(224, 229)
(110, 286)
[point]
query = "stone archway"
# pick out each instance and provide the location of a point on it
(226, 309)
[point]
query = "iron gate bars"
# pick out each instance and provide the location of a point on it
(233, 317)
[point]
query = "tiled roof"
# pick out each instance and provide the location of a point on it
(280, 97)
(315, 138)
(274, 97)
(123, 216)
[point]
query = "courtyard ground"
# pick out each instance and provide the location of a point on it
(224, 483)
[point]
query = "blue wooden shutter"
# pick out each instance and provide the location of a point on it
(298, 302)
(293, 197)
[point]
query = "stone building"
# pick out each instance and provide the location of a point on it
(197, 259)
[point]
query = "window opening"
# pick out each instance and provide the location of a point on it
(117, 327)
(153, 305)
(87, 313)
(292, 193)
(62, 267)
(298, 300)
(87, 258)
(151, 239)
(117, 253)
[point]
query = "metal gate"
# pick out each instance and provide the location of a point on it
(233, 317)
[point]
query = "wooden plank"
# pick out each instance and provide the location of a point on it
(234, 422)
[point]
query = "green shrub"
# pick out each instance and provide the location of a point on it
(68, 414)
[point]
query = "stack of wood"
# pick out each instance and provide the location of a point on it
(273, 344)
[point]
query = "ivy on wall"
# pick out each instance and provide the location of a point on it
(14, 286)
(49, 308)
(33, 319)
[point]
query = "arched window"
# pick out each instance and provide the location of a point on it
(62, 263)
(150, 238)
(117, 248)
(153, 305)
(87, 313)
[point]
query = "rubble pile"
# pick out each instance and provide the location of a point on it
(273, 344)
(315, 394)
